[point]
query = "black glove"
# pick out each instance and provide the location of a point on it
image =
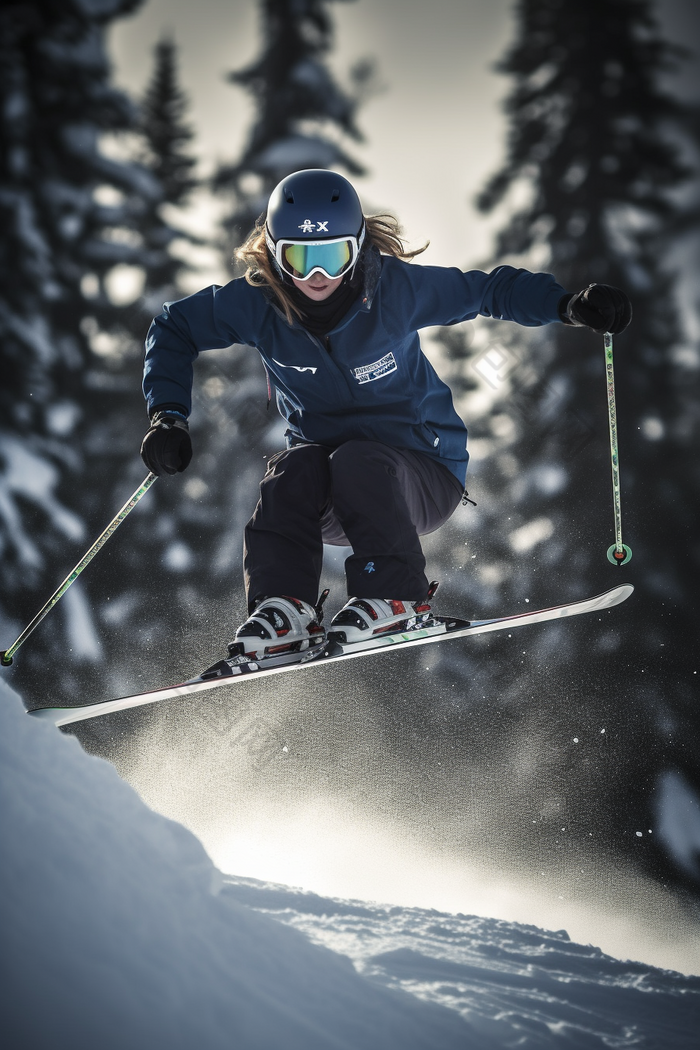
(600, 307)
(167, 448)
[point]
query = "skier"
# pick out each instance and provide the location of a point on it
(375, 452)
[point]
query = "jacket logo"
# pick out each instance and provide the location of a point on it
(377, 370)
(307, 226)
(298, 368)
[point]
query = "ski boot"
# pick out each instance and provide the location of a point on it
(364, 619)
(279, 631)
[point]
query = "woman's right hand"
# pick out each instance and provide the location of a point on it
(167, 447)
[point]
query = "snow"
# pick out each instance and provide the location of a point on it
(119, 931)
(678, 815)
(117, 934)
(83, 640)
(515, 985)
(529, 535)
(178, 557)
(297, 150)
(33, 478)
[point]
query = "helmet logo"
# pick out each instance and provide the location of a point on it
(307, 226)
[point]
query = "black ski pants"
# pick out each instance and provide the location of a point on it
(365, 495)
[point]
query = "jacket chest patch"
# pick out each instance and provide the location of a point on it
(377, 370)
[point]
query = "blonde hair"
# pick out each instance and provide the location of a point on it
(383, 231)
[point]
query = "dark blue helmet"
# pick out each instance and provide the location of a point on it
(313, 205)
(314, 223)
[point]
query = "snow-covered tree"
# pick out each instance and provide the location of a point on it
(596, 182)
(68, 212)
(166, 138)
(303, 116)
(595, 149)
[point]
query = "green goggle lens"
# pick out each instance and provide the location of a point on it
(300, 259)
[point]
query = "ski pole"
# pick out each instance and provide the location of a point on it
(6, 656)
(619, 553)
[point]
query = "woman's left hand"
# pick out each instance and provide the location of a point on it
(600, 307)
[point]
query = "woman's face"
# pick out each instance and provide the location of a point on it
(318, 287)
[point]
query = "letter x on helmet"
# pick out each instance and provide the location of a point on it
(314, 225)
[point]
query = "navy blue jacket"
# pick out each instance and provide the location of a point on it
(371, 380)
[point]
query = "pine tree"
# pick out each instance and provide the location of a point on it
(69, 213)
(302, 115)
(595, 163)
(166, 138)
(591, 148)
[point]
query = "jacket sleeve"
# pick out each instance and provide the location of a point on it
(436, 295)
(211, 319)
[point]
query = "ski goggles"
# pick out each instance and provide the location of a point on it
(302, 259)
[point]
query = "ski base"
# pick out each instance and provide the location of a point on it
(440, 629)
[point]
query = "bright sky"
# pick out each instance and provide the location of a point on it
(432, 136)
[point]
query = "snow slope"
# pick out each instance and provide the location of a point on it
(119, 932)
(516, 985)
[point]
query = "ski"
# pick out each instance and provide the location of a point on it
(440, 629)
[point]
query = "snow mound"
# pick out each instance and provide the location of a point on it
(115, 934)
(118, 931)
(516, 985)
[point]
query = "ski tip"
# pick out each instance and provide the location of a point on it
(619, 594)
(50, 714)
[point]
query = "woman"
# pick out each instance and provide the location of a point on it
(376, 454)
